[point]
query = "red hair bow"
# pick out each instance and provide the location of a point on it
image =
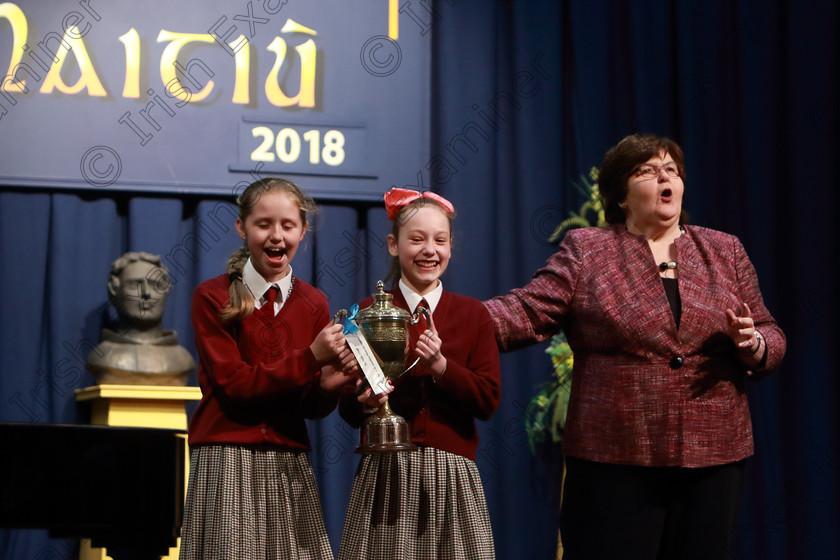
(396, 198)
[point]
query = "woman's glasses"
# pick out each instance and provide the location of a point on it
(652, 171)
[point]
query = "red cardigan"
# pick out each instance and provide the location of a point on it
(643, 391)
(442, 414)
(258, 378)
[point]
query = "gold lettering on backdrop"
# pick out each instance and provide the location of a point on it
(87, 78)
(169, 59)
(242, 61)
(131, 42)
(308, 54)
(393, 19)
(20, 30)
(172, 72)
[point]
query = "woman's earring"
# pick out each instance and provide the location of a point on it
(622, 205)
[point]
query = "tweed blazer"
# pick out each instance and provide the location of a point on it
(643, 391)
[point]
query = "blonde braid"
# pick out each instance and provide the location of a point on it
(241, 301)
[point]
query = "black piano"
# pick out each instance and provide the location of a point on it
(121, 487)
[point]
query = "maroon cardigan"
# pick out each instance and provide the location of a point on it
(442, 414)
(643, 391)
(258, 378)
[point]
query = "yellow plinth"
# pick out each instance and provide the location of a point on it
(140, 406)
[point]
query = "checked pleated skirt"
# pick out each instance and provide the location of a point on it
(246, 503)
(422, 505)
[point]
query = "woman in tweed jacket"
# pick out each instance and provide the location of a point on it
(667, 323)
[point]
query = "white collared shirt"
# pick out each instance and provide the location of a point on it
(412, 298)
(258, 286)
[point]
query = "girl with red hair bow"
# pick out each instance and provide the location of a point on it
(427, 503)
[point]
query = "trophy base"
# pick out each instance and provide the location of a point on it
(385, 432)
(369, 449)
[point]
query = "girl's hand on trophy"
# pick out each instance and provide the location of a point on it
(336, 380)
(328, 343)
(371, 401)
(347, 362)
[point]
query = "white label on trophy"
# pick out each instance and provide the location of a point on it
(367, 361)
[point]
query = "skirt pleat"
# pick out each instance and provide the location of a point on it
(247, 503)
(417, 506)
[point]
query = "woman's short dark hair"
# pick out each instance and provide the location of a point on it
(622, 160)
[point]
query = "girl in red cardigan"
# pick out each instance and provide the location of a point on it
(428, 503)
(268, 358)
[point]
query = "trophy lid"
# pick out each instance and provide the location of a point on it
(382, 308)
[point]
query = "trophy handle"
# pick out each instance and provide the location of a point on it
(420, 311)
(339, 316)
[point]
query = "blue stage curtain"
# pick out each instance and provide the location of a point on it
(526, 98)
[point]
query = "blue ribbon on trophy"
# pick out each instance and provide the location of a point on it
(365, 356)
(346, 318)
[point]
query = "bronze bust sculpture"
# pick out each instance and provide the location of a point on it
(139, 351)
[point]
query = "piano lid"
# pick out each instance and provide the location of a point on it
(122, 487)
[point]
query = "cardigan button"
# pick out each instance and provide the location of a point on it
(676, 362)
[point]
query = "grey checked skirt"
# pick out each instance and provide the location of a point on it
(422, 505)
(247, 503)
